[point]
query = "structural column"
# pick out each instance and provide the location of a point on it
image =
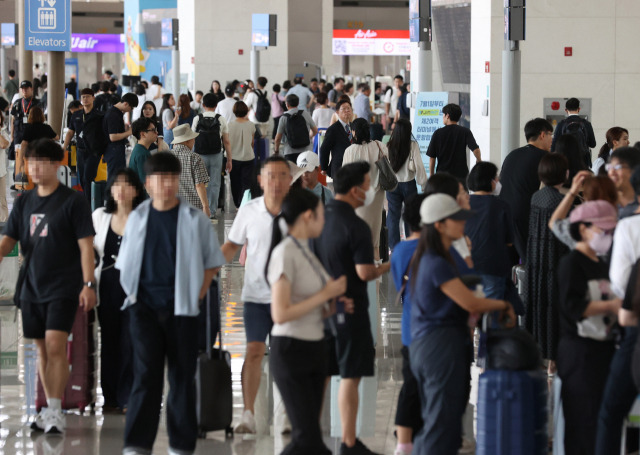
(25, 58)
(55, 90)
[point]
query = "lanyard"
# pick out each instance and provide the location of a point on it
(28, 107)
(311, 262)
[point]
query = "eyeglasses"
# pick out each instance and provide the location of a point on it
(615, 167)
(151, 131)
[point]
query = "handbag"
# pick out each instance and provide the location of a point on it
(600, 326)
(411, 166)
(22, 275)
(387, 179)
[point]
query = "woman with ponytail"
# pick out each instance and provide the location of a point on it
(302, 294)
(616, 137)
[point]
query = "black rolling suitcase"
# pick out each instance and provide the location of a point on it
(214, 399)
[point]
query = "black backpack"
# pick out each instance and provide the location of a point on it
(578, 129)
(208, 142)
(263, 107)
(93, 134)
(297, 131)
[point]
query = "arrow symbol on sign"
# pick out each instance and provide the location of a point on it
(51, 3)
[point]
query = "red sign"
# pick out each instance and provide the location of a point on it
(568, 51)
(486, 67)
(240, 52)
(371, 34)
(193, 60)
(555, 106)
(408, 64)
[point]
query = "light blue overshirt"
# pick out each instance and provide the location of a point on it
(197, 250)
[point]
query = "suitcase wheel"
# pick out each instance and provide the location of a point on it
(228, 432)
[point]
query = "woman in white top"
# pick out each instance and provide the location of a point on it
(168, 117)
(616, 137)
(364, 149)
(405, 160)
(301, 291)
(4, 145)
(241, 137)
(322, 114)
(124, 193)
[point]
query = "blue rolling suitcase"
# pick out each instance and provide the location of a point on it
(512, 413)
(261, 148)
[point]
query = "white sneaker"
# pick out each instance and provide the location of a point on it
(54, 422)
(39, 423)
(247, 423)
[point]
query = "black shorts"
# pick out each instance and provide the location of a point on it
(354, 346)
(37, 318)
(409, 412)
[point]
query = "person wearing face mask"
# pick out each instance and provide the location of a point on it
(587, 310)
(490, 231)
(364, 149)
(544, 251)
(344, 248)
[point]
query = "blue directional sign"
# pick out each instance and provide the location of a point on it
(48, 25)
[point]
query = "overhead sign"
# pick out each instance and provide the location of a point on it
(103, 43)
(263, 29)
(428, 118)
(371, 42)
(8, 34)
(48, 25)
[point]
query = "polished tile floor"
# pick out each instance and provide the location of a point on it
(95, 433)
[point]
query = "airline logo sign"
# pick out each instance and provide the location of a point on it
(48, 26)
(371, 42)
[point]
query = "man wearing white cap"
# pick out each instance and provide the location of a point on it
(193, 177)
(310, 163)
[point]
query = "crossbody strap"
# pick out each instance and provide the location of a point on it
(405, 280)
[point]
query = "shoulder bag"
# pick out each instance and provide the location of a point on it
(386, 177)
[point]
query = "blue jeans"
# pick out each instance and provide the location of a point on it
(213, 163)
(619, 395)
(441, 362)
(494, 286)
(395, 199)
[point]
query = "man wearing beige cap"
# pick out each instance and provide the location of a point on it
(310, 163)
(193, 177)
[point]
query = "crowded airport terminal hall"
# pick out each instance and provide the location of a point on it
(316, 227)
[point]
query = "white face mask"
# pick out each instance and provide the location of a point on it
(601, 242)
(369, 196)
(497, 189)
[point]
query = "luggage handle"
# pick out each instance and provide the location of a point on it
(209, 328)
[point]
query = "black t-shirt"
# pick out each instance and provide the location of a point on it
(580, 281)
(78, 119)
(490, 230)
(158, 125)
(55, 270)
(345, 242)
(35, 131)
(20, 111)
(449, 146)
(158, 275)
(113, 123)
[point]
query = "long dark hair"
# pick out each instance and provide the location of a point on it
(295, 203)
(613, 134)
(132, 179)
(361, 131)
(155, 111)
(400, 144)
(430, 240)
(185, 106)
(165, 103)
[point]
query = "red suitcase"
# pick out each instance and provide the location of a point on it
(81, 351)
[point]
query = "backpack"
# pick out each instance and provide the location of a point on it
(93, 134)
(208, 142)
(263, 107)
(297, 130)
(578, 129)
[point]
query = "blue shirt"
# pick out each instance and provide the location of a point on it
(303, 94)
(430, 307)
(197, 250)
(362, 107)
(158, 273)
(400, 260)
(319, 189)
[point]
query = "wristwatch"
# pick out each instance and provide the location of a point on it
(90, 284)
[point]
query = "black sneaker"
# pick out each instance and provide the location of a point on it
(358, 449)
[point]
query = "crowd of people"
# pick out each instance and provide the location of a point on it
(309, 250)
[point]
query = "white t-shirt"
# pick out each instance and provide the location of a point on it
(391, 97)
(152, 92)
(225, 108)
(302, 269)
(253, 224)
(625, 253)
(322, 117)
(224, 127)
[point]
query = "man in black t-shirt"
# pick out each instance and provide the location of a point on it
(87, 160)
(449, 145)
(115, 130)
(54, 227)
(519, 178)
(20, 111)
(344, 248)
